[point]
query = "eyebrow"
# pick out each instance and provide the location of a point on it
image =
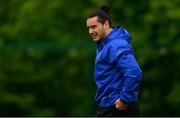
(91, 26)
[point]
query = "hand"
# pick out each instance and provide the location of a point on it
(120, 105)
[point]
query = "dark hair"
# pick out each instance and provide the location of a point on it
(103, 14)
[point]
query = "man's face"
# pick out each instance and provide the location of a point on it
(96, 29)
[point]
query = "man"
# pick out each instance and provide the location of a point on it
(117, 73)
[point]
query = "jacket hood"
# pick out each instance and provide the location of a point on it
(119, 33)
(116, 33)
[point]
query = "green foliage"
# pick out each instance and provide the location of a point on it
(47, 56)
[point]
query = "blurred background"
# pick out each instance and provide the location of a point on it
(47, 55)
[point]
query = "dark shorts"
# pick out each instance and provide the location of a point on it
(131, 111)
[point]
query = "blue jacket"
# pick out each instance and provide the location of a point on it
(117, 74)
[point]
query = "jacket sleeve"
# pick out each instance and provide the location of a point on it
(132, 74)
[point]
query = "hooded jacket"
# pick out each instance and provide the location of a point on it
(117, 73)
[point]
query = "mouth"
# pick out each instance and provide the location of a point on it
(94, 36)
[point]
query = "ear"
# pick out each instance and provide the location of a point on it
(106, 24)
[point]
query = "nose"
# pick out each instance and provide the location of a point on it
(90, 30)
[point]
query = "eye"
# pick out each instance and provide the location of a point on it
(94, 26)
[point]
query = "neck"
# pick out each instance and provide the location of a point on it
(108, 31)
